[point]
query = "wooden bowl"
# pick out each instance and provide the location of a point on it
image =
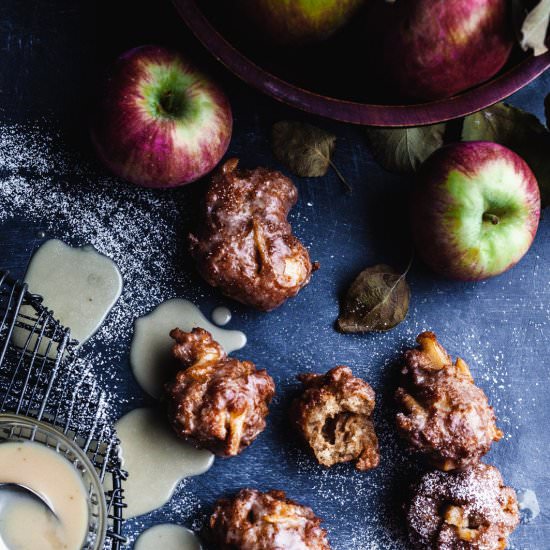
(323, 83)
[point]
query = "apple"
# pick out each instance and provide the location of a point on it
(159, 122)
(475, 210)
(428, 49)
(299, 21)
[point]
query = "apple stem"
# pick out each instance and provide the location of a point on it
(491, 218)
(167, 102)
(172, 103)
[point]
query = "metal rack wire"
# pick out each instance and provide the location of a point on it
(40, 378)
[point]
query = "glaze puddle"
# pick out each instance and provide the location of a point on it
(168, 537)
(221, 316)
(528, 505)
(151, 343)
(79, 285)
(25, 522)
(156, 460)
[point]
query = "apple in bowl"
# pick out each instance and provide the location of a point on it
(427, 50)
(159, 122)
(291, 22)
(475, 210)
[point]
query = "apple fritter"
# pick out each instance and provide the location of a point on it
(216, 402)
(266, 521)
(333, 415)
(469, 509)
(245, 245)
(443, 415)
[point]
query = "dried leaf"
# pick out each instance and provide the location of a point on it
(404, 149)
(520, 131)
(377, 300)
(304, 149)
(535, 28)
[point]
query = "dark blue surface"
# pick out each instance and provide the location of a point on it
(51, 52)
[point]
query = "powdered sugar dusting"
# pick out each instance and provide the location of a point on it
(43, 181)
(479, 494)
(183, 506)
(132, 226)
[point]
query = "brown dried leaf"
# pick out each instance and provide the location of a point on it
(378, 300)
(402, 150)
(305, 149)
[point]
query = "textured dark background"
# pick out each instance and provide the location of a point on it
(51, 53)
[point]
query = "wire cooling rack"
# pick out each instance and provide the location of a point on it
(41, 379)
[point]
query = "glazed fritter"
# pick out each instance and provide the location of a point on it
(216, 402)
(443, 415)
(266, 521)
(469, 509)
(245, 245)
(333, 415)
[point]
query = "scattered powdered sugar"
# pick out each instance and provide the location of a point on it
(479, 492)
(51, 185)
(376, 496)
(43, 181)
(185, 509)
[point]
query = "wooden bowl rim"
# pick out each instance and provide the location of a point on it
(470, 101)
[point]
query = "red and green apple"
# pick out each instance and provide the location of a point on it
(299, 21)
(475, 210)
(431, 49)
(160, 122)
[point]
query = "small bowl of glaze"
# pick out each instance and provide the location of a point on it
(20, 429)
(324, 79)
